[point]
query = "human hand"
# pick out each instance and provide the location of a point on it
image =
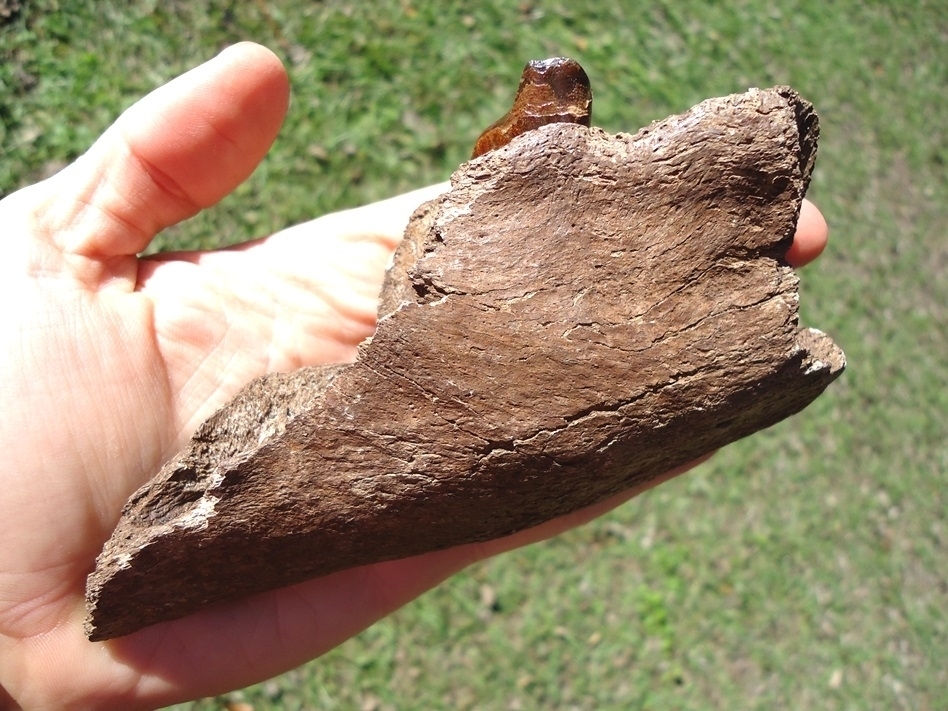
(113, 360)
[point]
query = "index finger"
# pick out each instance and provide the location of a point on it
(811, 236)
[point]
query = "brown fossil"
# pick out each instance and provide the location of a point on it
(554, 90)
(579, 313)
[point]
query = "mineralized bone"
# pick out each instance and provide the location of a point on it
(580, 313)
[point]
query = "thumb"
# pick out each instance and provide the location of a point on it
(179, 150)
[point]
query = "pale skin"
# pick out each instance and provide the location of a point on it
(111, 361)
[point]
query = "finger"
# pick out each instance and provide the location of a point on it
(810, 238)
(180, 149)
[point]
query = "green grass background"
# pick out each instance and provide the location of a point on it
(804, 567)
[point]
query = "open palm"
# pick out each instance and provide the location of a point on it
(111, 361)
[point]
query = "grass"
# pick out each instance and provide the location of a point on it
(801, 568)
